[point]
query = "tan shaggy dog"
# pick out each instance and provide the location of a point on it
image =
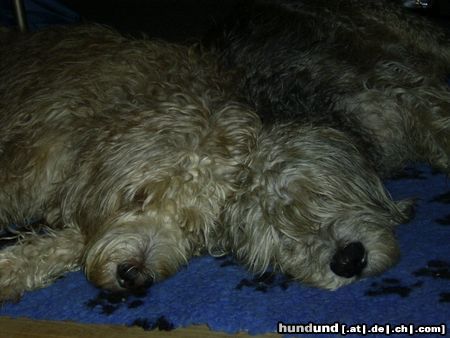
(138, 156)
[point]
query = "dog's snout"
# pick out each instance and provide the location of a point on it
(127, 275)
(349, 261)
(130, 277)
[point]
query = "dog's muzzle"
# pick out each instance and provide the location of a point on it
(130, 277)
(349, 261)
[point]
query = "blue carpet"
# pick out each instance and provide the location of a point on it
(221, 294)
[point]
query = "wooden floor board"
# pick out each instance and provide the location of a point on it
(26, 328)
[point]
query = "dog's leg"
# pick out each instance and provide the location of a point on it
(409, 124)
(37, 260)
(434, 126)
(403, 125)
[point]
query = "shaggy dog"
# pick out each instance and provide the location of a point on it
(126, 148)
(366, 68)
(137, 155)
(372, 74)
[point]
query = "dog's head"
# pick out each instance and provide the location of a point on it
(130, 254)
(316, 210)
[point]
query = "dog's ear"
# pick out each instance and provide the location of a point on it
(152, 193)
(174, 199)
(140, 196)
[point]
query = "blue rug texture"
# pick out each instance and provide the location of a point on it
(220, 293)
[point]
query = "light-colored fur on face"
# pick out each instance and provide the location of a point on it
(349, 91)
(132, 145)
(311, 194)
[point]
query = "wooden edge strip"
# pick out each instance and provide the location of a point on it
(27, 328)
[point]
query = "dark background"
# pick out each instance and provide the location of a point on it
(173, 20)
(181, 20)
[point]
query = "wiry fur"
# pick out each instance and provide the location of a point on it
(367, 68)
(312, 193)
(138, 156)
(127, 148)
(349, 91)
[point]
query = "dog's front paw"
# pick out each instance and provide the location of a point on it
(11, 288)
(10, 294)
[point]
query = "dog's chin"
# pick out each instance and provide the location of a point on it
(129, 275)
(108, 277)
(329, 281)
(131, 263)
(323, 272)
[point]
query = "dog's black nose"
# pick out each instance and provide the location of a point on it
(130, 277)
(349, 261)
